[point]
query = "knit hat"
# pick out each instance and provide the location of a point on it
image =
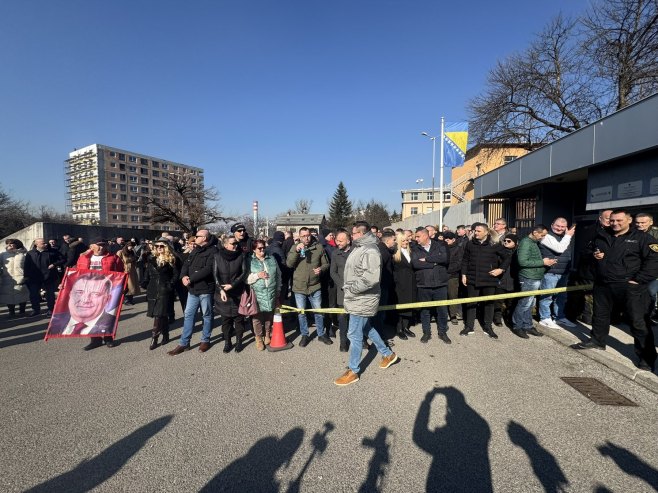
(279, 236)
(512, 237)
(237, 226)
(449, 235)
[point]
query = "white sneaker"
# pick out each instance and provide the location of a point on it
(566, 322)
(547, 322)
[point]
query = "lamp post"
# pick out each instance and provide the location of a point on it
(419, 182)
(433, 139)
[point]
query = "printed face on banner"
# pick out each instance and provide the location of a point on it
(88, 304)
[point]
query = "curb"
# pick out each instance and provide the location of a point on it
(625, 368)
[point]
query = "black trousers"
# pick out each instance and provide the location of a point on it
(634, 299)
(471, 308)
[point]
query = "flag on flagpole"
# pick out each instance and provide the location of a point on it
(455, 140)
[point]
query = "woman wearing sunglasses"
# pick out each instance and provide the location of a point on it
(159, 280)
(265, 279)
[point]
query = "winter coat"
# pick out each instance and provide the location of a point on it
(386, 281)
(229, 267)
(509, 279)
(267, 290)
(36, 265)
(563, 264)
(629, 257)
(304, 280)
(481, 257)
(75, 249)
(531, 263)
(337, 272)
(130, 267)
(405, 283)
(109, 262)
(12, 277)
(159, 281)
(362, 274)
(199, 268)
(456, 251)
(431, 267)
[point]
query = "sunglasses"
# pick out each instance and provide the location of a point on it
(239, 230)
(160, 246)
(508, 241)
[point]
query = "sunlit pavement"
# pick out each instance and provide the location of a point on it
(478, 415)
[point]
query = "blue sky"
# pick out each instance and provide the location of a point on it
(277, 100)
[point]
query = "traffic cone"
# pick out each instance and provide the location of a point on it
(278, 341)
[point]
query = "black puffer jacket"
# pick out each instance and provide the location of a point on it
(431, 267)
(481, 257)
(456, 255)
(159, 281)
(198, 267)
(230, 267)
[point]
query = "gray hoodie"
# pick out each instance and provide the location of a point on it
(362, 275)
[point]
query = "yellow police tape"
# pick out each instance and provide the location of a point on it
(459, 301)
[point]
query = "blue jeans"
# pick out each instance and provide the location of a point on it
(360, 326)
(551, 281)
(316, 302)
(522, 317)
(193, 302)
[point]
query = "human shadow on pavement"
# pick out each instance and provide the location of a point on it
(256, 470)
(544, 464)
(630, 463)
(320, 443)
(459, 449)
(91, 473)
(378, 464)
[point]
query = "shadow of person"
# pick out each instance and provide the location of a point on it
(320, 443)
(459, 450)
(91, 473)
(544, 464)
(380, 459)
(256, 470)
(630, 463)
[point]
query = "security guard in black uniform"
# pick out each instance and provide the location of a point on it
(626, 261)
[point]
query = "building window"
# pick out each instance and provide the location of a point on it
(134, 198)
(143, 161)
(133, 188)
(146, 219)
(430, 195)
(114, 185)
(156, 173)
(122, 167)
(122, 157)
(155, 164)
(414, 196)
(145, 171)
(114, 196)
(124, 197)
(113, 164)
(122, 177)
(156, 192)
(165, 174)
(124, 217)
(134, 218)
(113, 154)
(414, 211)
(165, 166)
(124, 208)
(144, 190)
(134, 208)
(132, 169)
(132, 159)
(156, 183)
(175, 168)
(113, 175)
(133, 179)
(122, 188)
(115, 217)
(114, 206)
(144, 181)
(508, 159)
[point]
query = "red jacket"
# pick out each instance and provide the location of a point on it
(110, 263)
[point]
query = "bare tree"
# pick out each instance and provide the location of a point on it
(187, 204)
(621, 42)
(374, 212)
(48, 214)
(14, 214)
(538, 95)
(302, 206)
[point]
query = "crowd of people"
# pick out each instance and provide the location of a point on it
(244, 280)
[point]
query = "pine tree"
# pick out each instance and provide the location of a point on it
(340, 208)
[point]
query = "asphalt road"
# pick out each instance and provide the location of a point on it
(479, 415)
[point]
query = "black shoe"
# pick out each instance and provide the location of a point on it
(227, 347)
(643, 365)
(589, 345)
(95, 342)
(344, 347)
(165, 338)
(401, 335)
(171, 319)
(331, 332)
(454, 320)
(534, 332)
(490, 332)
(444, 337)
(426, 337)
(154, 343)
(498, 322)
(466, 331)
(304, 341)
(523, 334)
(35, 313)
(110, 342)
(326, 340)
(409, 333)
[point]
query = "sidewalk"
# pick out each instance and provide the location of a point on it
(619, 354)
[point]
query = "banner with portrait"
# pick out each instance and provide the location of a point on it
(88, 305)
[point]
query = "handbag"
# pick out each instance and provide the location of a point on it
(248, 304)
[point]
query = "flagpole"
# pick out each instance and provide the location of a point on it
(441, 143)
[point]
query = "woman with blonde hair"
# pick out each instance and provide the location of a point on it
(405, 284)
(159, 280)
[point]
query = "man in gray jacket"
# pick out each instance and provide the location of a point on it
(361, 290)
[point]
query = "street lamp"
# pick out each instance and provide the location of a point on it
(440, 137)
(419, 182)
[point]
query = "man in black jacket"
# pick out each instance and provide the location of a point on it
(41, 265)
(430, 261)
(197, 277)
(626, 261)
(456, 251)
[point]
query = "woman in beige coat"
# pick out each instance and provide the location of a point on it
(129, 258)
(12, 278)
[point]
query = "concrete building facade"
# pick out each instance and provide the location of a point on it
(112, 187)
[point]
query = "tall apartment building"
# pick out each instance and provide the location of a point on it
(112, 187)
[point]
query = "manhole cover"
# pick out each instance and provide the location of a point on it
(597, 391)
